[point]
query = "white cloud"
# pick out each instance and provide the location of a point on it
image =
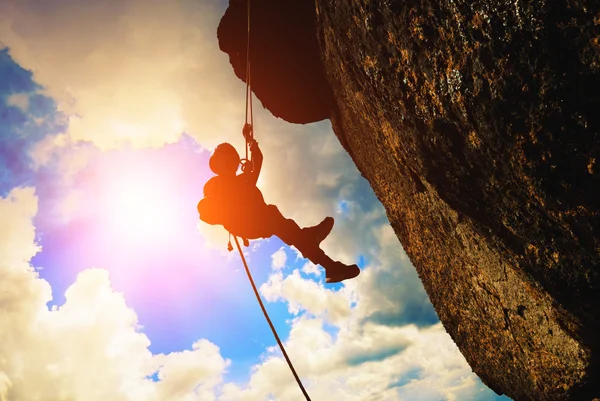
(17, 236)
(375, 363)
(306, 295)
(131, 71)
(183, 373)
(311, 268)
(5, 385)
(91, 347)
(278, 259)
(215, 237)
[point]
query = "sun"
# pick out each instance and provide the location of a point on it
(141, 209)
(140, 203)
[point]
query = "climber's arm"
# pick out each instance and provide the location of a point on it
(257, 159)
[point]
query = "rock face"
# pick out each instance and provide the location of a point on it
(477, 124)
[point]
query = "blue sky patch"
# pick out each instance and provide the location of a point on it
(20, 131)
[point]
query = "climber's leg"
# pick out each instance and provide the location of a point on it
(286, 229)
(319, 232)
(307, 240)
(291, 233)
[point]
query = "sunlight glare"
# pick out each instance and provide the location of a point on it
(142, 205)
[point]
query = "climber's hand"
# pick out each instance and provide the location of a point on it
(247, 131)
(257, 159)
(254, 146)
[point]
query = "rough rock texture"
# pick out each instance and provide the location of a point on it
(477, 124)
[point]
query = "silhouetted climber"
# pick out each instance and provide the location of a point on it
(235, 202)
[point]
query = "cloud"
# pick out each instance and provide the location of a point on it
(311, 268)
(278, 259)
(375, 363)
(128, 72)
(90, 348)
(390, 291)
(306, 295)
(17, 236)
(196, 371)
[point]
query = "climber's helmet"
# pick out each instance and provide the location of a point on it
(224, 160)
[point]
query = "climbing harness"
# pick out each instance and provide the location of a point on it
(248, 132)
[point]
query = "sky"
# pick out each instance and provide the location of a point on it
(111, 287)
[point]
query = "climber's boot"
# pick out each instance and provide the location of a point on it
(313, 236)
(334, 271)
(315, 254)
(337, 271)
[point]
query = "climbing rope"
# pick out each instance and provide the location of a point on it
(262, 306)
(248, 132)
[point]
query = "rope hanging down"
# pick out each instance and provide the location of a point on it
(262, 306)
(248, 133)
